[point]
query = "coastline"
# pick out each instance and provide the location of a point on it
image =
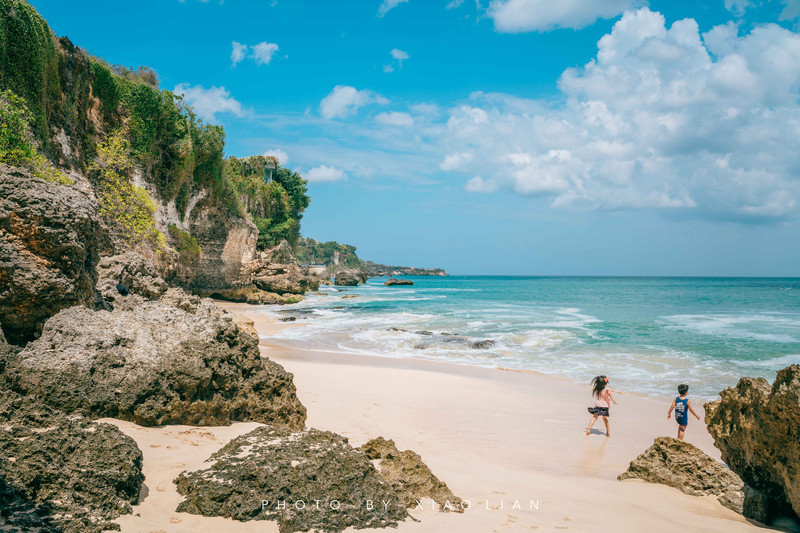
(498, 436)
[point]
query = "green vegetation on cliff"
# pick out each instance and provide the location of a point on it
(324, 253)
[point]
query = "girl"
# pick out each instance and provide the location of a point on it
(601, 405)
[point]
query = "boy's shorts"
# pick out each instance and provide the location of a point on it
(682, 423)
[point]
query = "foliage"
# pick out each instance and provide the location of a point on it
(127, 206)
(17, 145)
(186, 245)
(311, 251)
(29, 61)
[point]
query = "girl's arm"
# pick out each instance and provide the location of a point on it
(611, 397)
(689, 405)
(671, 407)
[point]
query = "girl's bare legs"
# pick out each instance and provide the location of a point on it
(608, 431)
(594, 419)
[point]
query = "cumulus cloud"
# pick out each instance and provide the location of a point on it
(394, 118)
(325, 173)
(262, 53)
(208, 102)
(345, 100)
(515, 16)
(238, 53)
(398, 57)
(663, 117)
(478, 184)
(455, 161)
(282, 156)
(388, 5)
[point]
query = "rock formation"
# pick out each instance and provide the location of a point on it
(349, 278)
(757, 429)
(63, 473)
(324, 483)
(411, 479)
(277, 271)
(138, 274)
(177, 360)
(49, 241)
(394, 281)
(683, 466)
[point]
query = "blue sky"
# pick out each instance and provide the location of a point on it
(577, 137)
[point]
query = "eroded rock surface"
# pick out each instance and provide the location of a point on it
(277, 465)
(277, 271)
(63, 473)
(757, 430)
(348, 278)
(681, 465)
(138, 274)
(177, 360)
(394, 281)
(49, 241)
(409, 476)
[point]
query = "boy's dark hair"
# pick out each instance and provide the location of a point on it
(598, 384)
(683, 389)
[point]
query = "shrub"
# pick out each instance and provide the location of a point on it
(186, 245)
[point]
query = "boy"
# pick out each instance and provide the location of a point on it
(682, 406)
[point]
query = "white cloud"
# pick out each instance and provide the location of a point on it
(388, 5)
(324, 173)
(263, 52)
(737, 7)
(454, 4)
(238, 53)
(515, 16)
(455, 161)
(208, 102)
(345, 100)
(663, 117)
(478, 184)
(388, 68)
(398, 56)
(282, 156)
(791, 10)
(394, 118)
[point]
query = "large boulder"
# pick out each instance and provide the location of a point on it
(391, 282)
(253, 296)
(177, 360)
(303, 480)
(411, 479)
(49, 241)
(63, 473)
(683, 466)
(348, 278)
(277, 271)
(757, 430)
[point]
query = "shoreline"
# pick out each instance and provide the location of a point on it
(496, 436)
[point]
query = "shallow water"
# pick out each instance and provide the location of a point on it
(647, 334)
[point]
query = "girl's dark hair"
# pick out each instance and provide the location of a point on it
(598, 384)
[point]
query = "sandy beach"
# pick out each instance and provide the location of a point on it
(512, 443)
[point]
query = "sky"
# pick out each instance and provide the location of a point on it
(524, 137)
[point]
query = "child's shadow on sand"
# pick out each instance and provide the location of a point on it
(596, 432)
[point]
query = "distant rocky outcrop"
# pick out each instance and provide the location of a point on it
(394, 281)
(302, 480)
(411, 479)
(176, 360)
(377, 269)
(683, 466)
(757, 430)
(349, 278)
(63, 473)
(49, 242)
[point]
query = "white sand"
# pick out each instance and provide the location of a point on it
(495, 437)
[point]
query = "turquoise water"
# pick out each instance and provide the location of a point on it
(647, 334)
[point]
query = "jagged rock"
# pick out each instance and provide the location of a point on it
(281, 254)
(483, 345)
(49, 241)
(757, 430)
(138, 274)
(277, 465)
(409, 476)
(681, 465)
(63, 473)
(178, 360)
(278, 271)
(347, 278)
(252, 296)
(394, 281)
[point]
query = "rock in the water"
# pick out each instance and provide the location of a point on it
(134, 272)
(681, 465)
(63, 473)
(394, 281)
(295, 470)
(178, 360)
(409, 476)
(757, 429)
(49, 242)
(347, 278)
(483, 345)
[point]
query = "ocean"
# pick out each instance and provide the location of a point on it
(647, 334)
